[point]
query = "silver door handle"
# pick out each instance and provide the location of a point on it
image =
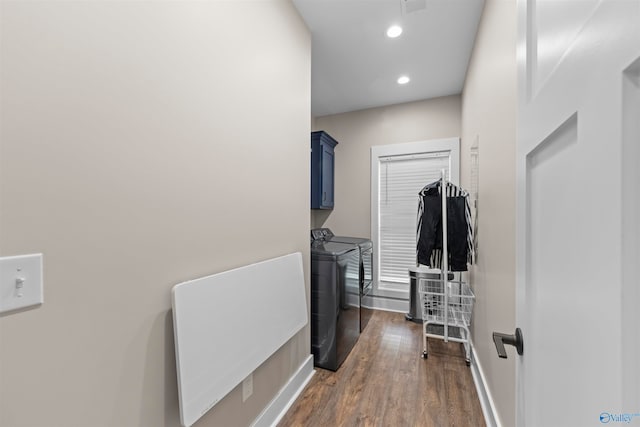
(515, 340)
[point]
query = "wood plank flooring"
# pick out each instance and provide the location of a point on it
(386, 382)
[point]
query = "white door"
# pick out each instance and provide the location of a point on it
(577, 212)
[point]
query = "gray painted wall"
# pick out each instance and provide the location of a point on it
(356, 133)
(143, 144)
(489, 114)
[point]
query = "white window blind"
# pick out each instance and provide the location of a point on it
(401, 179)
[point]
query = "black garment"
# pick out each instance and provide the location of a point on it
(430, 233)
(459, 234)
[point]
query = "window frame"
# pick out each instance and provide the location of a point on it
(450, 145)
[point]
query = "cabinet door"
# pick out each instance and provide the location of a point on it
(322, 169)
(327, 177)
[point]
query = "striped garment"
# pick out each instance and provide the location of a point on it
(432, 189)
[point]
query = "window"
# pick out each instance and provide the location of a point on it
(398, 173)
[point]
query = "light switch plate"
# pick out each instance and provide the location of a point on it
(20, 282)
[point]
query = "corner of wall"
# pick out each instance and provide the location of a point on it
(489, 103)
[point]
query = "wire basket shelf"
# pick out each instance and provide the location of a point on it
(454, 309)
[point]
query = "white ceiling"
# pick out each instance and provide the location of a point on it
(355, 65)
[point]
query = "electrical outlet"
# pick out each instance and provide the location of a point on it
(247, 387)
(20, 282)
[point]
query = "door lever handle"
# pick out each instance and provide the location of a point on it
(501, 339)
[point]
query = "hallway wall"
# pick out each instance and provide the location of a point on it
(356, 132)
(489, 116)
(143, 144)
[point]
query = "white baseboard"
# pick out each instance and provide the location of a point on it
(278, 407)
(484, 394)
(388, 304)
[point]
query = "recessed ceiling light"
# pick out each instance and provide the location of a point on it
(394, 31)
(403, 80)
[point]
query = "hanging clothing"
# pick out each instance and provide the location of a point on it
(459, 230)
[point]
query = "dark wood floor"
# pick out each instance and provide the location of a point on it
(386, 382)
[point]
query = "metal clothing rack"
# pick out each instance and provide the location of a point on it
(446, 303)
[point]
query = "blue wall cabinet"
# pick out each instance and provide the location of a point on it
(322, 162)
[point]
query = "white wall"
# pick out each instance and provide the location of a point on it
(489, 114)
(143, 144)
(356, 133)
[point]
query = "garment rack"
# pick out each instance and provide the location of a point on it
(444, 305)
